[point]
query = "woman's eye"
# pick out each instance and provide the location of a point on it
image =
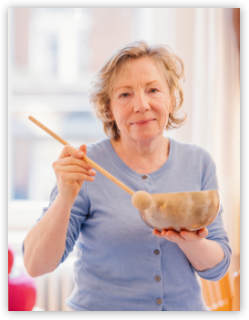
(153, 90)
(124, 95)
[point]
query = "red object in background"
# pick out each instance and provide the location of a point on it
(10, 264)
(22, 293)
(10, 259)
(22, 288)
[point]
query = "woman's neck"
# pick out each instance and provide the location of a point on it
(143, 158)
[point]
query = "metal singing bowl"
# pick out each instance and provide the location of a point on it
(178, 211)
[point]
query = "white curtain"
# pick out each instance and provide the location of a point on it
(205, 40)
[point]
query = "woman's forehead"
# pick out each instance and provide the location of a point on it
(144, 69)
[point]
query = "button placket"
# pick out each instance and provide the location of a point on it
(157, 277)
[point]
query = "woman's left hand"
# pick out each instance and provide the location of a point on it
(202, 253)
(183, 236)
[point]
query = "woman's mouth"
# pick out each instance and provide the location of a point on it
(143, 122)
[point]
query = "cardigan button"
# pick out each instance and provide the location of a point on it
(157, 278)
(159, 301)
(156, 251)
(144, 177)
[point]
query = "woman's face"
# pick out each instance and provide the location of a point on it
(140, 101)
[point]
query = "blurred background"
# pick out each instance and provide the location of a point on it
(53, 55)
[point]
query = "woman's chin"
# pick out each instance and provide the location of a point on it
(144, 138)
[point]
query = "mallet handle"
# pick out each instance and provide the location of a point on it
(85, 158)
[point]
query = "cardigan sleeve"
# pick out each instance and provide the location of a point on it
(78, 215)
(216, 230)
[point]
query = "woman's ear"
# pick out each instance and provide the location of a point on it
(172, 101)
(172, 104)
(111, 115)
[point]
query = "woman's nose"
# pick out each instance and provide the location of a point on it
(141, 103)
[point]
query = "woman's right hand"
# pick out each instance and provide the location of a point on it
(71, 171)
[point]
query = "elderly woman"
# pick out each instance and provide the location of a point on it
(121, 263)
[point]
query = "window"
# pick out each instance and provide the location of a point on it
(54, 54)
